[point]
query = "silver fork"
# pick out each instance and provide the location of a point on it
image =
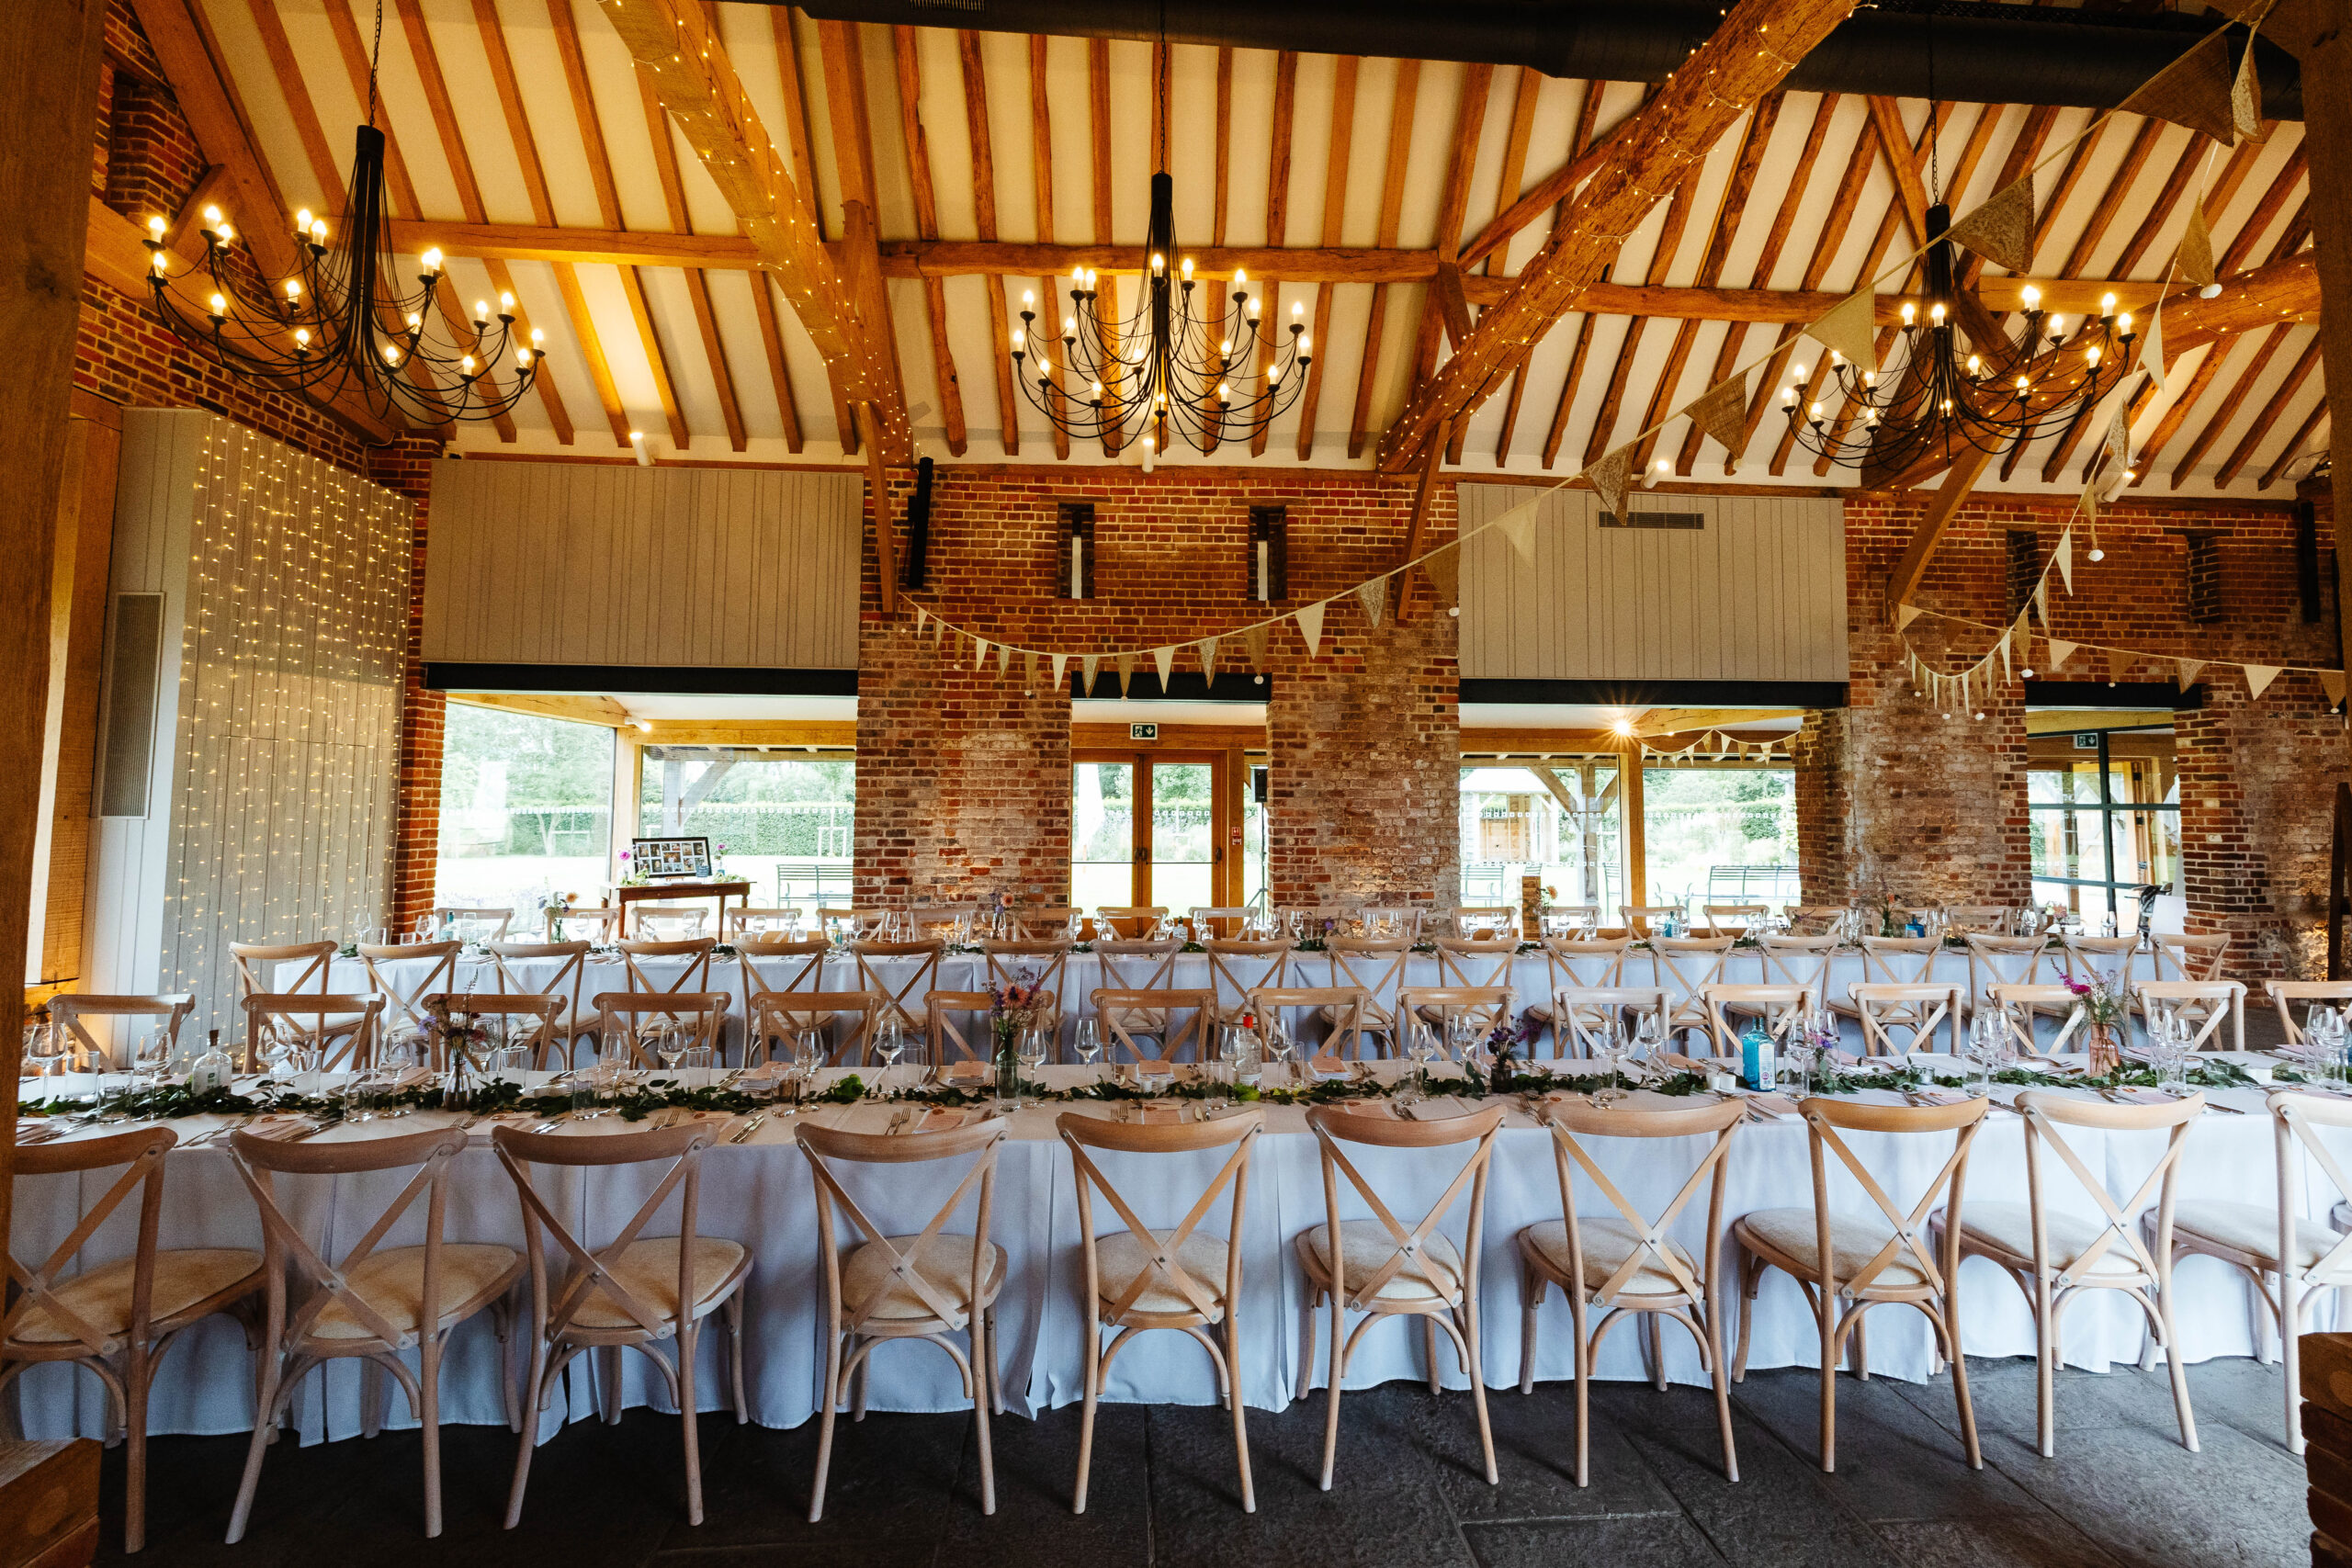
(748, 1128)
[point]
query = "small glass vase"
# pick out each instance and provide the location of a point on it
(2106, 1054)
(1008, 1068)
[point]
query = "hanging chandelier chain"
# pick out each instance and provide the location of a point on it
(374, 59)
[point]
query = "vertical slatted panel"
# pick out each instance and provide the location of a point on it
(560, 563)
(1758, 594)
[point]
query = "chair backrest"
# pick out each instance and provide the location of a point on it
(2019, 1005)
(1919, 1010)
(403, 1004)
(2008, 960)
(1688, 965)
(2045, 1114)
(1335, 1125)
(68, 1009)
(1467, 961)
(951, 1043)
(1798, 961)
(1137, 965)
(565, 982)
(693, 976)
(829, 1149)
(353, 1047)
(1573, 914)
(1375, 965)
(2311, 993)
(1987, 920)
(1043, 963)
(760, 921)
(2297, 1120)
(1129, 1016)
(592, 923)
(1781, 1008)
(1237, 968)
(922, 975)
(2108, 958)
(1580, 1013)
(1899, 959)
(1213, 922)
(1085, 1136)
(1732, 917)
(547, 1014)
(1816, 919)
(140, 1154)
(781, 1015)
(1484, 922)
(257, 967)
(557, 1300)
(621, 1015)
(1388, 922)
(1484, 1006)
(1045, 922)
(781, 964)
(941, 922)
(1825, 1122)
(1654, 1251)
(671, 922)
(2211, 1002)
(470, 923)
(1571, 961)
(1129, 922)
(287, 1255)
(1637, 917)
(1344, 1036)
(2173, 956)
(857, 923)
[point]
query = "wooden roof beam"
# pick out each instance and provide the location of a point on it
(1392, 207)
(975, 130)
(1335, 203)
(903, 55)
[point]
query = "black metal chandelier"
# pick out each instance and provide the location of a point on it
(1935, 399)
(341, 321)
(1164, 373)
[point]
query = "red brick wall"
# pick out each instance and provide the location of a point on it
(405, 467)
(964, 779)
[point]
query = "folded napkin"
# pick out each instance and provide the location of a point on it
(1682, 1062)
(1160, 1115)
(279, 1129)
(1773, 1105)
(937, 1120)
(1330, 1067)
(969, 1072)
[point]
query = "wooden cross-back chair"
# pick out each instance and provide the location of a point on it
(893, 1286)
(2054, 1254)
(2010, 961)
(1174, 1018)
(1384, 1268)
(2108, 958)
(572, 972)
(1637, 917)
(2174, 956)
(901, 1001)
(1797, 961)
(1129, 923)
(1386, 922)
(2311, 993)
(1237, 968)
(633, 1292)
(118, 1319)
(755, 923)
(941, 922)
(1167, 1277)
(694, 975)
(373, 1303)
(1439, 1007)
(596, 922)
(2205, 1004)
(67, 1011)
(403, 1004)
(1483, 922)
(1137, 965)
(1781, 1009)
(671, 922)
(849, 923)
(1469, 961)
(257, 963)
(2254, 1239)
(780, 1016)
(1734, 920)
(1686, 966)
(1918, 1010)
(1574, 965)
(623, 1019)
(343, 1029)
(1814, 920)
(1339, 1010)
(781, 964)
(545, 1042)
(1899, 959)
(1580, 1014)
(1977, 919)
(1575, 913)
(1376, 966)
(1847, 1263)
(1044, 963)
(2021, 1007)
(1626, 1264)
(950, 1044)
(1215, 923)
(1045, 922)
(460, 917)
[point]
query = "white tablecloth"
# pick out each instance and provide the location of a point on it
(760, 1193)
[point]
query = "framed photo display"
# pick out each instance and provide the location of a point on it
(671, 857)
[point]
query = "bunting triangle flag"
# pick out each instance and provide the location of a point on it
(2119, 664)
(2041, 598)
(1374, 597)
(1518, 525)
(2061, 650)
(1445, 570)
(2002, 229)
(1721, 412)
(1904, 615)
(979, 653)
(1847, 328)
(1310, 627)
(2332, 683)
(2193, 91)
(1127, 666)
(1608, 477)
(1086, 665)
(1003, 659)
(1061, 663)
(937, 625)
(922, 616)
(2066, 560)
(1031, 662)
(2194, 259)
(1164, 659)
(1254, 639)
(1207, 646)
(2119, 443)
(2245, 98)
(2152, 346)
(2187, 672)
(2007, 672)
(2258, 678)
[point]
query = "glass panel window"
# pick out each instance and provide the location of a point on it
(1720, 835)
(1102, 834)
(2106, 821)
(1556, 820)
(786, 819)
(525, 808)
(1183, 857)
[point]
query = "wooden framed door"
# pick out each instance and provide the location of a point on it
(1151, 828)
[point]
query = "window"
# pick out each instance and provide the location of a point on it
(786, 818)
(1720, 835)
(1556, 821)
(525, 808)
(2106, 811)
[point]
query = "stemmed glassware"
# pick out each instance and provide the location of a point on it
(1280, 1047)
(889, 1044)
(1609, 1044)
(151, 1059)
(1421, 1048)
(1090, 1040)
(668, 1043)
(808, 1056)
(2170, 1042)
(45, 1047)
(1030, 1051)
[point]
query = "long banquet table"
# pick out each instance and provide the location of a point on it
(760, 1192)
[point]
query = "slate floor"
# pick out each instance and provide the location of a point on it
(2121, 1491)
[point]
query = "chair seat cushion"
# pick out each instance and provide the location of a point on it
(1372, 1017)
(101, 1296)
(392, 1284)
(648, 1270)
(2008, 1228)
(1119, 1258)
(1608, 1240)
(946, 1264)
(1854, 1240)
(2251, 1229)
(1434, 1276)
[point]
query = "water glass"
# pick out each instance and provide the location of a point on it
(1032, 1051)
(1090, 1040)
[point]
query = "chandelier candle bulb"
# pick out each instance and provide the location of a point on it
(1910, 313)
(2031, 297)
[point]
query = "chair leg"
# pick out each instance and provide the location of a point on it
(863, 1377)
(995, 1363)
(501, 1317)
(1338, 1370)
(609, 1366)
(832, 1403)
(2045, 1360)
(139, 1370)
(1533, 1289)
(264, 1415)
(1240, 1411)
(372, 1396)
(1429, 1351)
(1468, 1323)
(734, 1310)
(1751, 1275)
(1306, 1320)
(1828, 1308)
(2177, 1364)
(1093, 1387)
(533, 1394)
(428, 1357)
(979, 1420)
(1722, 1378)
(2290, 1315)
(1654, 1350)
(1959, 1394)
(1582, 1366)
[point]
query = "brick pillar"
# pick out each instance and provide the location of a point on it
(1823, 806)
(2258, 797)
(405, 467)
(1365, 789)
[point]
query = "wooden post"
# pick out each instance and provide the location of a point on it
(885, 533)
(1629, 806)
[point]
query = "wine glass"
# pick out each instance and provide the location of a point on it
(2173, 1048)
(1280, 1047)
(669, 1044)
(151, 1059)
(1090, 1040)
(889, 1044)
(1649, 1035)
(1421, 1048)
(1984, 1037)
(808, 1055)
(45, 1046)
(1031, 1050)
(1609, 1044)
(424, 927)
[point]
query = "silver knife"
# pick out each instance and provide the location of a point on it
(748, 1128)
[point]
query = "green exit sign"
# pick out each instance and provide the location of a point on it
(1143, 732)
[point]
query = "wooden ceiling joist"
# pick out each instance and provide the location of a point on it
(983, 152)
(1041, 183)
(609, 210)
(1335, 204)
(1401, 102)
(909, 63)
(673, 199)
